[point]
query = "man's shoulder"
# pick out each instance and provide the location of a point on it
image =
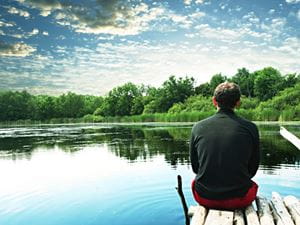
(203, 123)
(248, 124)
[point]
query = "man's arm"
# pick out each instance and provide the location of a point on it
(194, 155)
(255, 157)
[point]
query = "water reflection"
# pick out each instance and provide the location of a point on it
(135, 143)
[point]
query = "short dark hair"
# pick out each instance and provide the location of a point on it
(227, 94)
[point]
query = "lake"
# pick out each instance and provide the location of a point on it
(122, 174)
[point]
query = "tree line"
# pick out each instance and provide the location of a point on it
(266, 88)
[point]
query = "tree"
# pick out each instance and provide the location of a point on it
(121, 101)
(70, 105)
(216, 80)
(173, 91)
(16, 105)
(44, 107)
(290, 80)
(204, 90)
(246, 82)
(268, 82)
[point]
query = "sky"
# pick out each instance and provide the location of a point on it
(91, 46)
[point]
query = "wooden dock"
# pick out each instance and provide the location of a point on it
(277, 211)
(290, 137)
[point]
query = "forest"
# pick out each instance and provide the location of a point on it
(267, 95)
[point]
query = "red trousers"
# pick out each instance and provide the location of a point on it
(230, 204)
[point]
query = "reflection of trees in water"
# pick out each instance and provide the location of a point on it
(142, 143)
(276, 150)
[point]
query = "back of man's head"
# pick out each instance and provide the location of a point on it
(227, 95)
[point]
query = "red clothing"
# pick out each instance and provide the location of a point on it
(233, 203)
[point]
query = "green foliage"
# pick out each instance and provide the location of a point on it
(92, 118)
(268, 82)
(204, 90)
(121, 101)
(249, 103)
(16, 105)
(267, 95)
(216, 80)
(246, 82)
(193, 104)
(172, 91)
(289, 97)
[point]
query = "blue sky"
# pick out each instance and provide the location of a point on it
(91, 46)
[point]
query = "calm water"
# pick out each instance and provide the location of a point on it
(113, 174)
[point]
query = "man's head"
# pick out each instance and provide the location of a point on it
(227, 95)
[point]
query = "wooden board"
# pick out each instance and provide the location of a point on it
(199, 215)
(251, 216)
(290, 137)
(281, 214)
(293, 206)
(218, 217)
(264, 211)
(238, 218)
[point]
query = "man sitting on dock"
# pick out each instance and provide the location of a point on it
(224, 152)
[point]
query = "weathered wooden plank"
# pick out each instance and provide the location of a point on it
(251, 216)
(192, 210)
(290, 137)
(293, 206)
(199, 214)
(281, 215)
(218, 217)
(264, 211)
(238, 218)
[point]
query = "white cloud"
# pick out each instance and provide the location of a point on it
(292, 1)
(298, 14)
(17, 49)
(45, 33)
(13, 10)
(275, 26)
(17, 36)
(252, 18)
(46, 6)
(97, 70)
(197, 15)
(271, 11)
(6, 24)
(187, 2)
(33, 32)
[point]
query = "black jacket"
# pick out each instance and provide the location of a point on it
(224, 152)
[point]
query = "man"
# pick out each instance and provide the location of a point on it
(224, 152)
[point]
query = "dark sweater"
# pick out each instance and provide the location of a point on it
(224, 152)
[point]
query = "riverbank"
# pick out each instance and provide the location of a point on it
(153, 118)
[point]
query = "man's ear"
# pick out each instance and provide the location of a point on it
(214, 101)
(238, 103)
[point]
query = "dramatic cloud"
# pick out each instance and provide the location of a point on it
(95, 45)
(107, 17)
(13, 10)
(18, 49)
